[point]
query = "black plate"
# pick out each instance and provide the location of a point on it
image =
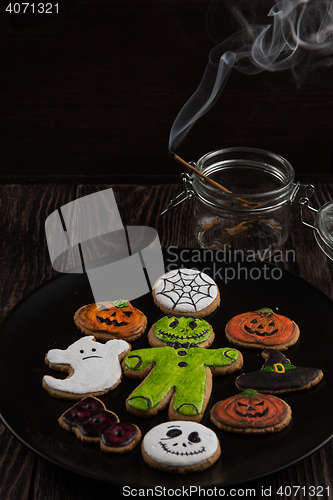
(43, 321)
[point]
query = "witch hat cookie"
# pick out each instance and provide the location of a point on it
(279, 375)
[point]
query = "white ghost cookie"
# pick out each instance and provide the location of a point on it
(186, 291)
(94, 368)
(180, 447)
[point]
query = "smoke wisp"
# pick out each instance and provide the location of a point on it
(296, 30)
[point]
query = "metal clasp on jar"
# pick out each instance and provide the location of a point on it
(187, 194)
(322, 227)
(303, 202)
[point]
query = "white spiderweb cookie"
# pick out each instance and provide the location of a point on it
(186, 291)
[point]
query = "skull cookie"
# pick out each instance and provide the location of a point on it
(180, 447)
(111, 320)
(181, 329)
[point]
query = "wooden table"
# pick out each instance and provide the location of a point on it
(25, 264)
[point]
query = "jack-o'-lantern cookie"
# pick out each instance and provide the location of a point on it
(186, 292)
(180, 447)
(93, 423)
(261, 329)
(251, 413)
(278, 375)
(183, 329)
(111, 320)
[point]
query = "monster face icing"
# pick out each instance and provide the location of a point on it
(182, 329)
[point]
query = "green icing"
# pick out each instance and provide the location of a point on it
(182, 329)
(249, 393)
(271, 369)
(120, 303)
(265, 311)
(180, 370)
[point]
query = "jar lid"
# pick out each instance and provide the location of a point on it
(324, 228)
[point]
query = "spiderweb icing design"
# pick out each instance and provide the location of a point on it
(185, 290)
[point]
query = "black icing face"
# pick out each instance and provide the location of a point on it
(182, 329)
(84, 349)
(182, 443)
(258, 329)
(89, 353)
(262, 324)
(255, 410)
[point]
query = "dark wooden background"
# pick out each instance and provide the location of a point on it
(96, 90)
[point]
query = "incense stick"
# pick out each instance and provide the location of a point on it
(208, 179)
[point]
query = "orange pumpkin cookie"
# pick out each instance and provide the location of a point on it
(111, 320)
(261, 329)
(251, 412)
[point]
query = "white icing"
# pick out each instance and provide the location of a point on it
(180, 450)
(185, 290)
(96, 366)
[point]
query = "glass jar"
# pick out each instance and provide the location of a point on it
(255, 214)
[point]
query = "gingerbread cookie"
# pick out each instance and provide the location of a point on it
(94, 424)
(94, 368)
(261, 329)
(186, 291)
(181, 329)
(178, 373)
(278, 375)
(111, 320)
(251, 413)
(180, 447)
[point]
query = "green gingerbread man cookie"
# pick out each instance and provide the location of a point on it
(179, 373)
